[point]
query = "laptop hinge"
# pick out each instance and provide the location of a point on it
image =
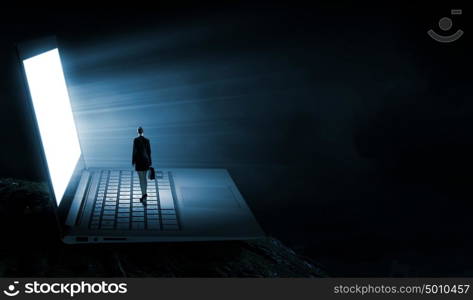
(78, 197)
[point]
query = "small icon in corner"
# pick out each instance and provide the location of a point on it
(445, 24)
(10, 292)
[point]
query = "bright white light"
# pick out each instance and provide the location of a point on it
(54, 115)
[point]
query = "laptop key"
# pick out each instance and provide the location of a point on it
(156, 226)
(165, 199)
(152, 221)
(123, 226)
(170, 227)
(138, 225)
(169, 222)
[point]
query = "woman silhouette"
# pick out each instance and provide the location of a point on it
(142, 161)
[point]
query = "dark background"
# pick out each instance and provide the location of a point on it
(346, 128)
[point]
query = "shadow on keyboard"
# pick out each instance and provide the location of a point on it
(117, 203)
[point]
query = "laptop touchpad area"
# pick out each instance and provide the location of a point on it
(216, 197)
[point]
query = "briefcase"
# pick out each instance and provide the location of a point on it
(152, 174)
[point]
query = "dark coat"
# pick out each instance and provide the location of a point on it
(141, 154)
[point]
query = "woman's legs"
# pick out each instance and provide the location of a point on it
(143, 182)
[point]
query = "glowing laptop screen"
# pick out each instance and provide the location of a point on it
(53, 112)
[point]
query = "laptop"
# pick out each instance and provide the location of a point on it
(102, 205)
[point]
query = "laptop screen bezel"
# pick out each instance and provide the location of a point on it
(25, 50)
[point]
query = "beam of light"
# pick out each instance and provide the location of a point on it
(54, 116)
(203, 99)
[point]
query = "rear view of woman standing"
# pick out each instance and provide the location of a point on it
(142, 161)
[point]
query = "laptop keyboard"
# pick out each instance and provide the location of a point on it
(117, 203)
